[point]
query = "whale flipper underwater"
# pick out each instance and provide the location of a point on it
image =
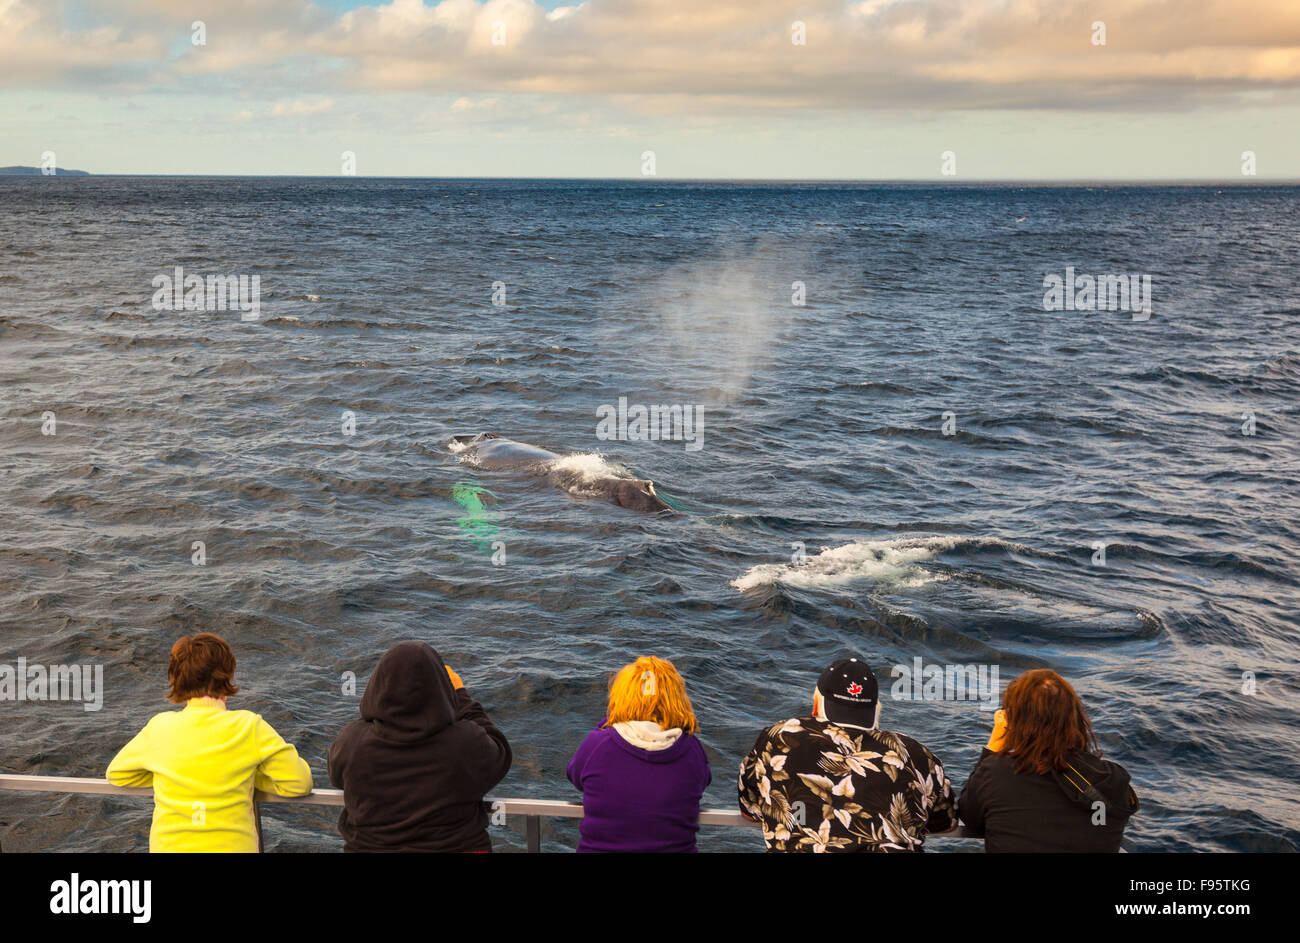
(494, 452)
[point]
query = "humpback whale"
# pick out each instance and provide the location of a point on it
(494, 452)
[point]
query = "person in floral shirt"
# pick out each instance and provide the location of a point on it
(836, 782)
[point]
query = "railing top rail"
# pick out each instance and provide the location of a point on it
(548, 808)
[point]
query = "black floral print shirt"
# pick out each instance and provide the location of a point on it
(818, 787)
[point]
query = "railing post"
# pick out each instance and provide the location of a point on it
(533, 833)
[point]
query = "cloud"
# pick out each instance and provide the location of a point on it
(295, 108)
(562, 13)
(36, 49)
(681, 56)
(465, 104)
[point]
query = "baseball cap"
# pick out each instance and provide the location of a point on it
(849, 693)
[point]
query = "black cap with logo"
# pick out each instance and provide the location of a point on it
(849, 693)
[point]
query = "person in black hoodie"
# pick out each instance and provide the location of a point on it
(415, 768)
(1040, 784)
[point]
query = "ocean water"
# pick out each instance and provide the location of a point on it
(943, 456)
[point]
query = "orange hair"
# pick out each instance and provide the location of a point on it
(650, 689)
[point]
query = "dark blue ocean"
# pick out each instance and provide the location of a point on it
(948, 455)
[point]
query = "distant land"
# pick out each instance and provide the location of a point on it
(17, 171)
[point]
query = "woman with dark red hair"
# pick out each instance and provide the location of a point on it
(1041, 784)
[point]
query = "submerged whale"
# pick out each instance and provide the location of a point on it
(494, 452)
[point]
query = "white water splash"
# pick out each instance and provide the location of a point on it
(883, 561)
(588, 466)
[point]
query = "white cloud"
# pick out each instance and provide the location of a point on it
(465, 104)
(563, 13)
(295, 108)
(677, 55)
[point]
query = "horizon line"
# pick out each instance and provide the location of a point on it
(70, 173)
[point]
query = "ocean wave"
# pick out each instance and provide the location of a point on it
(1285, 364)
(18, 329)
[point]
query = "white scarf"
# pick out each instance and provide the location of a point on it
(647, 735)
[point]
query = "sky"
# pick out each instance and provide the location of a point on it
(757, 89)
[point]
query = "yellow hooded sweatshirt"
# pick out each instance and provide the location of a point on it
(203, 763)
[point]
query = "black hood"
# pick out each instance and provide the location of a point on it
(1089, 779)
(409, 697)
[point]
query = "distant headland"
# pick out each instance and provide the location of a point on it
(17, 171)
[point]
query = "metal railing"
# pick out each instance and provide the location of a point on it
(531, 810)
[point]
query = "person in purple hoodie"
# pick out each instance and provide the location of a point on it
(642, 772)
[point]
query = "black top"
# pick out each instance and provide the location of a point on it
(1082, 809)
(415, 768)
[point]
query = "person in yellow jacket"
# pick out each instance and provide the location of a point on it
(204, 761)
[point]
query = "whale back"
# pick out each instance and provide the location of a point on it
(500, 452)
